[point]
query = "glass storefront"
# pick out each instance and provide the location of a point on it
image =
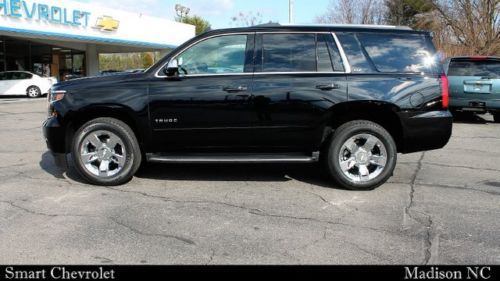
(2, 55)
(42, 59)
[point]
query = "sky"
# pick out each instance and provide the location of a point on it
(220, 12)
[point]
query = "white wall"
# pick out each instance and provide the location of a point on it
(92, 60)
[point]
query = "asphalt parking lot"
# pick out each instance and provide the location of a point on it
(441, 207)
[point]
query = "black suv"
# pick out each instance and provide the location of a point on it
(349, 96)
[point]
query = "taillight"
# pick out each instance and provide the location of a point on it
(445, 94)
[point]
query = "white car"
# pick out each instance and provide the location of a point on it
(24, 83)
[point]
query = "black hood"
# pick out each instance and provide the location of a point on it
(96, 81)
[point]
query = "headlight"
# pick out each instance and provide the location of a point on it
(56, 95)
(52, 97)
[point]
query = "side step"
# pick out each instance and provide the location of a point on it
(233, 158)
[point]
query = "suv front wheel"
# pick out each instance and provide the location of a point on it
(106, 152)
(496, 117)
(361, 155)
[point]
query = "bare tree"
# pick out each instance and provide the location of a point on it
(247, 19)
(354, 12)
(466, 27)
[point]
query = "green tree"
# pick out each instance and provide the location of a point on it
(125, 61)
(201, 24)
(404, 12)
(183, 16)
(147, 60)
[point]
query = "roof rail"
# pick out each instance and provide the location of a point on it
(270, 24)
(356, 26)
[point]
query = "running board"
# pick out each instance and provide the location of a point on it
(233, 158)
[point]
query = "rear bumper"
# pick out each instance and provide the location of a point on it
(425, 131)
(475, 103)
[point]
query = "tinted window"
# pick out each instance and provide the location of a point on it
(474, 68)
(9, 75)
(324, 58)
(18, 75)
(289, 53)
(338, 64)
(224, 54)
(398, 53)
(13, 76)
(24, 75)
(354, 53)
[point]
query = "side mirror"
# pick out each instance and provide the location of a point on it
(172, 68)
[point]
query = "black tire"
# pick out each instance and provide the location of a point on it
(496, 117)
(348, 131)
(33, 92)
(133, 156)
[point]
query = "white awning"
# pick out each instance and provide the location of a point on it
(79, 22)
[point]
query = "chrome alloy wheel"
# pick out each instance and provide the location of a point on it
(103, 153)
(33, 92)
(362, 158)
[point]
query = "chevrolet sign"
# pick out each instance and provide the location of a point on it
(107, 23)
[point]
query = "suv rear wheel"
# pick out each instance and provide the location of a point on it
(361, 155)
(106, 152)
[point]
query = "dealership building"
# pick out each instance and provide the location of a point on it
(61, 38)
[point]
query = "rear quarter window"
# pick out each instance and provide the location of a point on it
(399, 53)
(354, 52)
(24, 75)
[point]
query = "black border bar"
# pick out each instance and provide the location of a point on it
(144, 272)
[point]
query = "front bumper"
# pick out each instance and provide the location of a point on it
(425, 131)
(54, 135)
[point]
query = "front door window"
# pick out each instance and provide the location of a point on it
(219, 55)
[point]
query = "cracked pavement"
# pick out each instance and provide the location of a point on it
(440, 207)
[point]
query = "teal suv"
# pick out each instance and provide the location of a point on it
(474, 84)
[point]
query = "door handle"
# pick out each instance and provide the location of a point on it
(235, 89)
(328, 87)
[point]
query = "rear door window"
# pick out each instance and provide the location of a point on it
(17, 75)
(398, 53)
(307, 52)
(24, 75)
(289, 53)
(329, 58)
(479, 68)
(324, 60)
(9, 75)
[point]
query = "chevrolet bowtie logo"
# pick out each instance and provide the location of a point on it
(107, 23)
